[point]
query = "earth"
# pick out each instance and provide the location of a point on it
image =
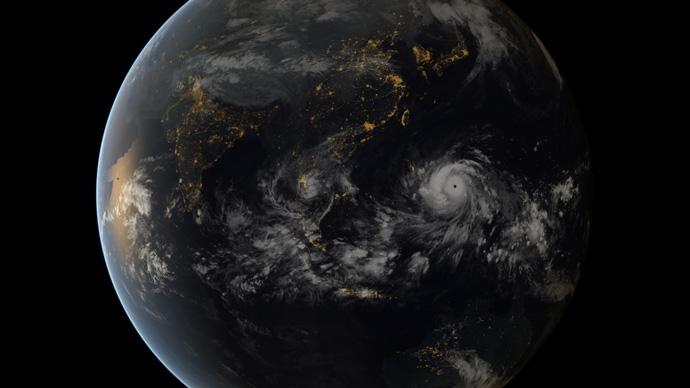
(321, 193)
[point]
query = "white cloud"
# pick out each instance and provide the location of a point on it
(350, 255)
(474, 371)
(418, 265)
(157, 271)
(493, 41)
(376, 266)
(136, 194)
(556, 286)
(565, 191)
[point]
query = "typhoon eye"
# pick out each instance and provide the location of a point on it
(454, 188)
(446, 190)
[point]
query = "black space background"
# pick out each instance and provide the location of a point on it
(73, 330)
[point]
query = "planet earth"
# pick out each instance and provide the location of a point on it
(344, 193)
